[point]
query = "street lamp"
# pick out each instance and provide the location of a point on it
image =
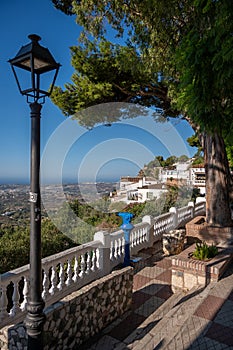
(36, 60)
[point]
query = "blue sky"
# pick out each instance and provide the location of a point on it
(104, 153)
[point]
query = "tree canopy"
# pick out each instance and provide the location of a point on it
(173, 55)
(178, 56)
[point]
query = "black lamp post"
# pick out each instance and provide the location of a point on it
(36, 60)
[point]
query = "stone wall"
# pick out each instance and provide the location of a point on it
(79, 316)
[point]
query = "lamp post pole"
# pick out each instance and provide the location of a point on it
(35, 60)
(35, 317)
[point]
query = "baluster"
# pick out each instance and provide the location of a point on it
(88, 269)
(75, 277)
(142, 235)
(117, 253)
(25, 294)
(45, 284)
(3, 305)
(146, 229)
(97, 258)
(52, 281)
(119, 247)
(158, 228)
(82, 272)
(116, 249)
(94, 259)
(138, 237)
(122, 246)
(61, 276)
(132, 239)
(113, 250)
(15, 299)
(69, 273)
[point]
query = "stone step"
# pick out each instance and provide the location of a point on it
(162, 326)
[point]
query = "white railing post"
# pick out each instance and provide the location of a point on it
(150, 231)
(104, 252)
(174, 213)
(191, 207)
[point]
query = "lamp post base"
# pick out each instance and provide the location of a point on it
(34, 322)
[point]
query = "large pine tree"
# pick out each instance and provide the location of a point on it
(178, 57)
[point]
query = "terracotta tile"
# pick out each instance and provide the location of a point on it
(164, 263)
(153, 287)
(165, 292)
(209, 308)
(165, 276)
(139, 281)
(152, 272)
(149, 306)
(127, 326)
(225, 314)
(220, 333)
(139, 298)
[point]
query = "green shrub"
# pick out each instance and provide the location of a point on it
(203, 251)
(15, 244)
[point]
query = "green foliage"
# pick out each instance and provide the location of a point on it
(188, 43)
(183, 158)
(53, 241)
(170, 161)
(14, 249)
(204, 59)
(106, 72)
(64, 5)
(229, 150)
(204, 252)
(198, 160)
(15, 245)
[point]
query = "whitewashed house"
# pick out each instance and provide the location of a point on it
(138, 189)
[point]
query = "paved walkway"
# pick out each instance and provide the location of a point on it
(201, 319)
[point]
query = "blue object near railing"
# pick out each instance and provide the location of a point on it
(127, 228)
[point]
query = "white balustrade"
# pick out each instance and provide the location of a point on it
(163, 223)
(62, 274)
(71, 269)
(117, 243)
(200, 207)
(139, 237)
(184, 214)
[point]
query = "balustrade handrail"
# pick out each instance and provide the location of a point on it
(71, 269)
(83, 248)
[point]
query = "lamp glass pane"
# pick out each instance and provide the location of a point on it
(26, 63)
(38, 64)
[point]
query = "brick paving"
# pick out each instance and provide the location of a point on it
(197, 320)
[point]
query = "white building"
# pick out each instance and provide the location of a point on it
(176, 172)
(138, 189)
(197, 177)
(193, 175)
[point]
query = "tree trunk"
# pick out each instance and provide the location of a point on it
(218, 181)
